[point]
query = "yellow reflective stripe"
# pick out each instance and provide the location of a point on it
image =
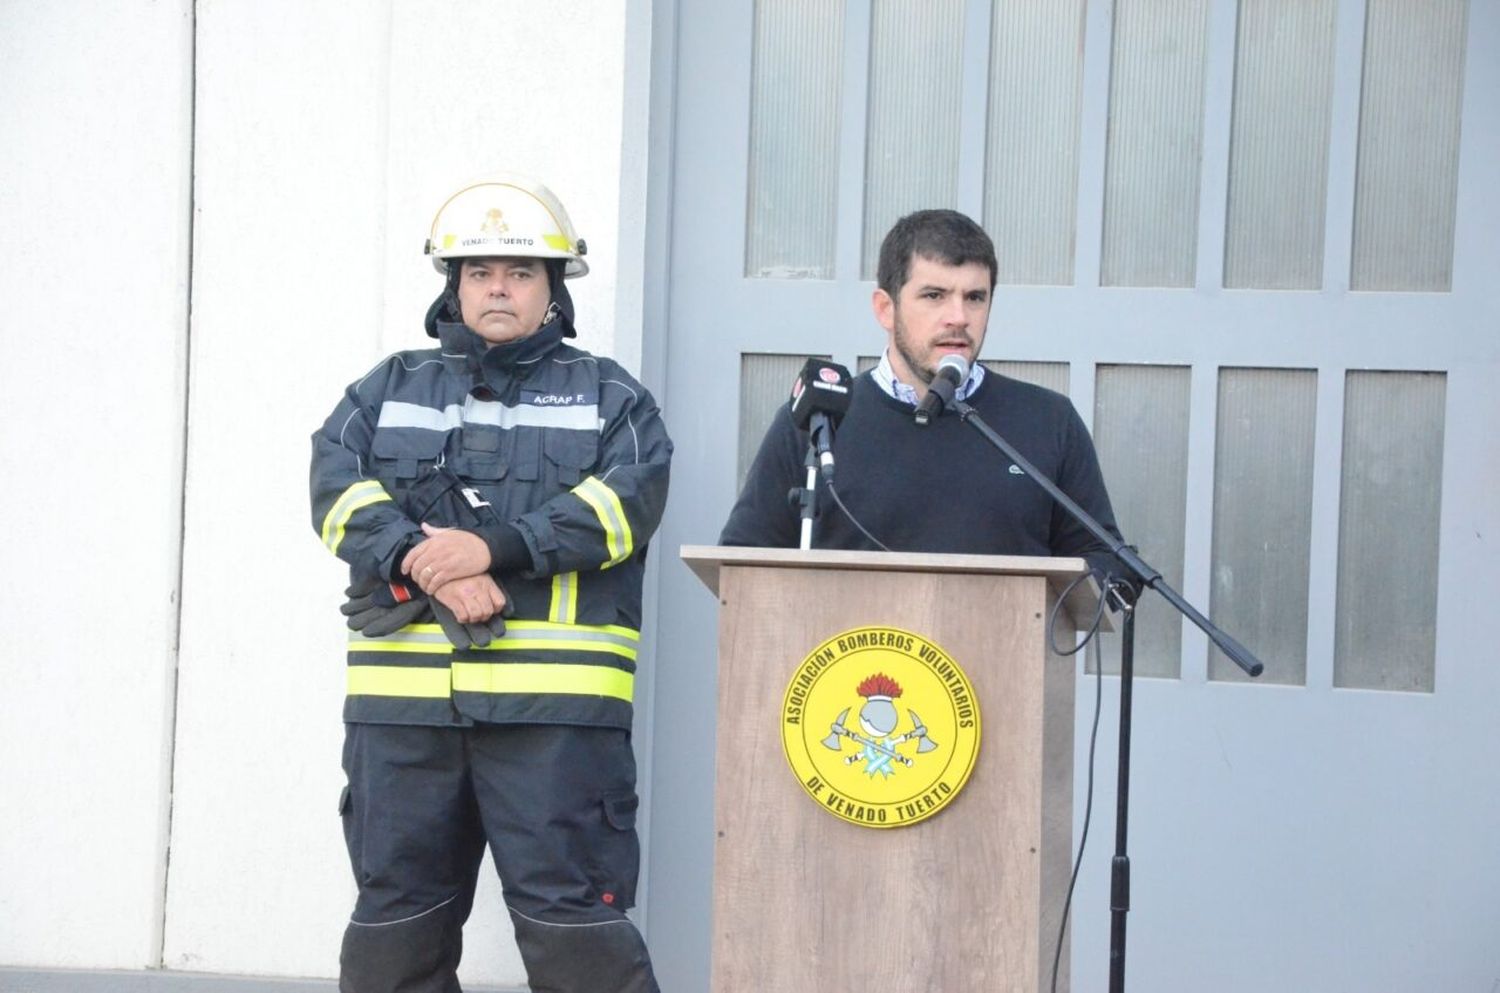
(523, 677)
(399, 680)
(564, 609)
(618, 538)
(628, 538)
(558, 241)
(587, 493)
(361, 494)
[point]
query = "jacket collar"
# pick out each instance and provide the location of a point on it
(465, 352)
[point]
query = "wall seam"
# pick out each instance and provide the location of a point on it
(655, 342)
(187, 379)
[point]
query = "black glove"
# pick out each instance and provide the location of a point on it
(376, 609)
(475, 635)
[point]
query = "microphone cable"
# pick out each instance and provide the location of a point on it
(1090, 640)
(854, 520)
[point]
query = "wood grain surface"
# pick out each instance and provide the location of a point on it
(967, 900)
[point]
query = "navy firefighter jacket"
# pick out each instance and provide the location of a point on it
(565, 448)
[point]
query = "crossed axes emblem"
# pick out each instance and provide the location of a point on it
(837, 732)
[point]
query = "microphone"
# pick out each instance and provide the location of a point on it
(820, 396)
(952, 371)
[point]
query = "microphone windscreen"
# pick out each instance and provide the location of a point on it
(820, 386)
(956, 365)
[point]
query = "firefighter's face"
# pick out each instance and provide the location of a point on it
(503, 299)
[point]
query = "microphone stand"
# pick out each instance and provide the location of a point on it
(819, 462)
(806, 499)
(1145, 575)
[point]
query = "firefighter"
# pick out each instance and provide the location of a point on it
(493, 498)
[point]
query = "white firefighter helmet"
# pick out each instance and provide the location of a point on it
(505, 215)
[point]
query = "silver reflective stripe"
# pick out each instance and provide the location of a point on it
(564, 606)
(580, 417)
(533, 631)
(395, 414)
(426, 634)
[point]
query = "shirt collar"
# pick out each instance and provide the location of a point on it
(885, 378)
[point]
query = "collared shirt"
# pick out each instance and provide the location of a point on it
(885, 378)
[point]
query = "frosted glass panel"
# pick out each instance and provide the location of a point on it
(916, 68)
(1278, 160)
(1031, 155)
(1141, 432)
(1386, 621)
(1052, 375)
(765, 384)
(1263, 472)
(1407, 179)
(1155, 143)
(794, 123)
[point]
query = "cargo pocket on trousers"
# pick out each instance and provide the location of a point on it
(617, 856)
(351, 837)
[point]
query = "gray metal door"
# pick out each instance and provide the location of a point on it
(1254, 242)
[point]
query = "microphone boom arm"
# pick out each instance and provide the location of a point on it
(1138, 568)
(1119, 887)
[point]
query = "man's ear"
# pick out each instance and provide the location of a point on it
(884, 308)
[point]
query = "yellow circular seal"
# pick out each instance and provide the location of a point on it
(880, 726)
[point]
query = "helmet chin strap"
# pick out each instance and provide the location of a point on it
(562, 300)
(445, 307)
(450, 287)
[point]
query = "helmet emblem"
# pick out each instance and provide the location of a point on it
(494, 222)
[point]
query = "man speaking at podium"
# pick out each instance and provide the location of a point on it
(939, 487)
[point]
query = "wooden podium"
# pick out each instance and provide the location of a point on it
(966, 900)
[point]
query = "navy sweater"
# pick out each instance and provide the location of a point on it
(941, 488)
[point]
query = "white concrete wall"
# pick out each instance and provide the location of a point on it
(322, 138)
(94, 120)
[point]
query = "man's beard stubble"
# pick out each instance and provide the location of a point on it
(926, 373)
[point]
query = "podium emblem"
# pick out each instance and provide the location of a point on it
(880, 726)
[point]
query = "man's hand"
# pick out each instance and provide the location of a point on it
(467, 612)
(472, 600)
(445, 556)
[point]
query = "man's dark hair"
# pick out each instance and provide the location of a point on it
(944, 236)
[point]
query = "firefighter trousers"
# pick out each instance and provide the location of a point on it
(556, 805)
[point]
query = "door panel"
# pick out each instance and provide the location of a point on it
(1296, 833)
